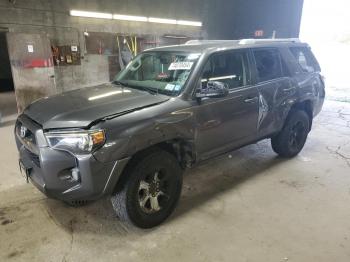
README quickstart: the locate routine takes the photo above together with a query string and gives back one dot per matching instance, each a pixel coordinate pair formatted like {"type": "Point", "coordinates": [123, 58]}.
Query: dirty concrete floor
{"type": "Point", "coordinates": [249, 205]}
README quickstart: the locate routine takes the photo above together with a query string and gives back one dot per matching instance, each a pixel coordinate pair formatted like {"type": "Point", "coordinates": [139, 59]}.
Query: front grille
{"type": "Point", "coordinates": [34, 158]}
{"type": "Point", "coordinates": [26, 137]}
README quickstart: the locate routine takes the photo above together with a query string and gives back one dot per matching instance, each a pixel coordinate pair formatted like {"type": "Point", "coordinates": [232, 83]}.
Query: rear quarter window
{"type": "Point", "coordinates": [305, 59]}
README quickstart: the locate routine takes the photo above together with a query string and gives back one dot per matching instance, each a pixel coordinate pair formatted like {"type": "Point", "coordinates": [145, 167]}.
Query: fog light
{"type": "Point", "coordinates": [75, 174]}
{"type": "Point", "coordinates": [72, 175]}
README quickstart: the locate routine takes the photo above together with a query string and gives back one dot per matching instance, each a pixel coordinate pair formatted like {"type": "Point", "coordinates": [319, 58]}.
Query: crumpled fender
{"type": "Point", "coordinates": [178, 125]}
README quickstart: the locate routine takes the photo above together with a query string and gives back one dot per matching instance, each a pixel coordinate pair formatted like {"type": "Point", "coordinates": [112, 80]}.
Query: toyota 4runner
{"type": "Point", "coordinates": [170, 108]}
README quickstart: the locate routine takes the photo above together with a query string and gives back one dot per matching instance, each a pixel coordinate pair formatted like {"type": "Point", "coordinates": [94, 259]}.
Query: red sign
{"type": "Point", "coordinates": [259, 33]}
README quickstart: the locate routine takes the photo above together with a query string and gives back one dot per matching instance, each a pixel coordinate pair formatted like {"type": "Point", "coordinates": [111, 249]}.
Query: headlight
{"type": "Point", "coordinates": [76, 142]}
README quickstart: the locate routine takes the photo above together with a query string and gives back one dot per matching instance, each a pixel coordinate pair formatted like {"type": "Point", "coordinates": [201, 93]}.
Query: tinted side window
{"type": "Point", "coordinates": [305, 59]}
{"type": "Point", "coordinates": [268, 63]}
{"type": "Point", "coordinates": [228, 67]}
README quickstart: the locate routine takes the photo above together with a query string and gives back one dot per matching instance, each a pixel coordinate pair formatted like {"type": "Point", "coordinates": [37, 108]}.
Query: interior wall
{"type": "Point", "coordinates": [52, 18]}
{"type": "Point", "coordinates": [241, 18]}
{"type": "Point", "coordinates": [222, 19]}
{"type": "Point", "coordinates": [94, 70]}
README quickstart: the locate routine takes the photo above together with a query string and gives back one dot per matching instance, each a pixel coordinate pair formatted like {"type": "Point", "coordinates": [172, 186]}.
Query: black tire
{"type": "Point", "coordinates": [291, 140]}
{"type": "Point", "coordinates": [134, 203]}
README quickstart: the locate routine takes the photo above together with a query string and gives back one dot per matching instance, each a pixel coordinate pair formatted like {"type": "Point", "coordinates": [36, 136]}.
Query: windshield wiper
{"type": "Point", "coordinates": [120, 83]}
{"type": "Point", "coordinates": [150, 90]}
{"type": "Point", "coordinates": [153, 91]}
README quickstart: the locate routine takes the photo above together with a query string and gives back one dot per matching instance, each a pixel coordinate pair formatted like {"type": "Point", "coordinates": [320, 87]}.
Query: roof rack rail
{"type": "Point", "coordinates": [196, 42]}
{"type": "Point", "coordinates": [268, 40]}
{"type": "Point", "coordinates": [245, 41]}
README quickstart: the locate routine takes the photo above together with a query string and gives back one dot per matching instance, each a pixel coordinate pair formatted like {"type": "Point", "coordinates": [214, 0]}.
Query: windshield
{"type": "Point", "coordinates": [162, 72]}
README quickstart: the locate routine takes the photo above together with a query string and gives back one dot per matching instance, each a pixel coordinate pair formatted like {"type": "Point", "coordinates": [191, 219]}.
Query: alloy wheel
{"type": "Point", "coordinates": [153, 192]}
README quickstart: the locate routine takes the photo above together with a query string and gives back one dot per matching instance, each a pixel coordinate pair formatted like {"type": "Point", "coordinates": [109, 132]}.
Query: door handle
{"type": "Point", "coordinates": [251, 100]}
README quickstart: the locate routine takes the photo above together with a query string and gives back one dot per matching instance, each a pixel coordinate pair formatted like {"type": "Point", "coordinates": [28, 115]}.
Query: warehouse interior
{"type": "Point", "coordinates": [244, 205]}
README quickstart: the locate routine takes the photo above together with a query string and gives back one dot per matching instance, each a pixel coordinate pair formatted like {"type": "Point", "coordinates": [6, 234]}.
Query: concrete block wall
{"type": "Point", "coordinates": [51, 17]}
{"type": "Point", "coordinates": [92, 71]}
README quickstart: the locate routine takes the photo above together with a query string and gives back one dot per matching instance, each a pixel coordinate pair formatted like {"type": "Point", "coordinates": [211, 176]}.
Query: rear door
{"type": "Point", "coordinates": [227, 122]}
{"type": "Point", "coordinates": [275, 86]}
{"type": "Point", "coordinates": [32, 67]}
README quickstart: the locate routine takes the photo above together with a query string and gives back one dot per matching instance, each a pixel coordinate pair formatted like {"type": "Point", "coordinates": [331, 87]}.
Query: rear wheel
{"type": "Point", "coordinates": [151, 190]}
{"type": "Point", "coordinates": [291, 140]}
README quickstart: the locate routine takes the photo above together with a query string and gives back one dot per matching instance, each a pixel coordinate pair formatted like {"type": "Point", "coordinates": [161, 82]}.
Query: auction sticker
{"type": "Point", "coordinates": [180, 66]}
{"type": "Point", "coordinates": [169, 87]}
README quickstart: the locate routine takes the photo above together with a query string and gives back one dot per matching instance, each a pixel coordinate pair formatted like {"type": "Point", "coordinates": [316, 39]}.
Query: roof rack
{"type": "Point", "coordinates": [268, 40]}
{"type": "Point", "coordinates": [197, 42]}
{"type": "Point", "coordinates": [245, 41]}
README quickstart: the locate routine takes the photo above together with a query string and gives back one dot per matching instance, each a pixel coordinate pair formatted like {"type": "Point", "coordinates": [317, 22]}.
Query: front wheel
{"type": "Point", "coordinates": [291, 140]}
{"type": "Point", "coordinates": [151, 191]}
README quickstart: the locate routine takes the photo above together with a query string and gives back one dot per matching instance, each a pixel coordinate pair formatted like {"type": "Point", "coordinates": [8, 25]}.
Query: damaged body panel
{"type": "Point", "coordinates": [194, 101]}
{"type": "Point", "coordinates": [147, 127]}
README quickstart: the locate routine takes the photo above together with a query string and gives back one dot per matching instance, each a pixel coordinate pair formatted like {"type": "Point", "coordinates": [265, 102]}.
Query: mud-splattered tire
{"type": "Point", "coordinates": [151, 189]}
{"type": "Point", "coordinates": [291, 140]}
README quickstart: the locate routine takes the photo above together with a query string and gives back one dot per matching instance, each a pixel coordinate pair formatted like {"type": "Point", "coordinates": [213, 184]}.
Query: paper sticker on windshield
{"type": "Point", "coordinates": [180, 66]}
{"type": "Point", "coordinates": [169, 87]}
{"type": "Point", "coordinates": [177, 87]}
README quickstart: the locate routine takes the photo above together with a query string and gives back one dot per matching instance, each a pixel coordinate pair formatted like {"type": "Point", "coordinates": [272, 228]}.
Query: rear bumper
{"type": "Point", "coordinates": [321, 95]}
{"type": "Point", "coordinates": [61, 175]}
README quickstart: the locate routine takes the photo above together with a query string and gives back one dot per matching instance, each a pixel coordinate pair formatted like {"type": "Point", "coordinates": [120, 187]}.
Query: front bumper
{"type": "Point", "coordinates": [51, 170]}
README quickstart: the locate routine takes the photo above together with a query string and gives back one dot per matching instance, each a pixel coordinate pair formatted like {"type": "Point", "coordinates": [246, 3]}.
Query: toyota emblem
{"type": "Point", "coordinates": [23, 131]}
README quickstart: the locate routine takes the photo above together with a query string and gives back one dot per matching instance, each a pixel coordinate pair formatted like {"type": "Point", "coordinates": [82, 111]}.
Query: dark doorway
{"type": "Point", "coordinates": [6, 81]}
{"type": "Point", "coordinates": [8, 106]}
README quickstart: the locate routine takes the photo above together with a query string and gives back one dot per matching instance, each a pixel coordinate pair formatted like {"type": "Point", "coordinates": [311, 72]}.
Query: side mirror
{"type": "Point", "coordinates": [213, 89]}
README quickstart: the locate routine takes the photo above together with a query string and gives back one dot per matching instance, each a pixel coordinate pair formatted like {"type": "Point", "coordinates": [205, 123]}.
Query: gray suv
{"type": "Point", "coordinates": [169, 109]}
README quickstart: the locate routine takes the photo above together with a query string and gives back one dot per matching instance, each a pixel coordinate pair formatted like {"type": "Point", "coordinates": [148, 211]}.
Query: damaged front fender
{"type": "Point", "coordinates": [134, 132]}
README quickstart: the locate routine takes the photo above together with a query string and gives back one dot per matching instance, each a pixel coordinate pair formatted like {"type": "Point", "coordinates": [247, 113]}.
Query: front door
{"type": "Point", "coordinates": [32, 67]}
{"type": "Point", "coordinates": [231, 121]}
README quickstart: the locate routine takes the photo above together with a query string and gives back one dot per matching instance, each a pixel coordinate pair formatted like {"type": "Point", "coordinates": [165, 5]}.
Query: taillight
{"type": "Point", "coordinates": [323, 79]}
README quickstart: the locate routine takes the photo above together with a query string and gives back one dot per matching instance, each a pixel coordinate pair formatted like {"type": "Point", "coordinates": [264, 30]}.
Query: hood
{"type": "Point", "coordinates": [79, 108]}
